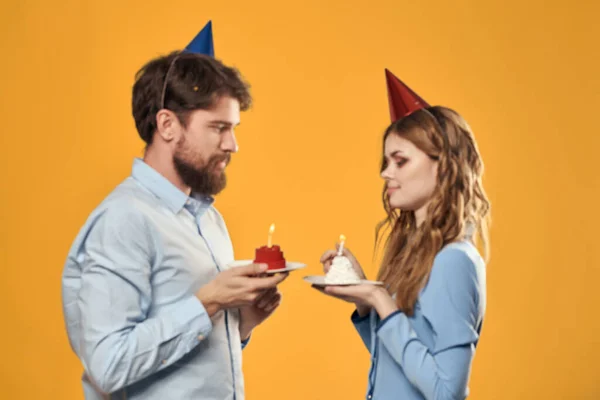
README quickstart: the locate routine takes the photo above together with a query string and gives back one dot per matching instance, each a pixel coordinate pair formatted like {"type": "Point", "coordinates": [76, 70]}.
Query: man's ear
{"type": "Point", "coordinates": [167, 125]}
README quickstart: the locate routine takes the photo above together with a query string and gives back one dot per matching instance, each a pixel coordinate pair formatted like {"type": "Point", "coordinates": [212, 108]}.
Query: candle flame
{"type": "Point", "coordinates": [271, 230]}
{"type": "Point", "coordinates": [342, 238]}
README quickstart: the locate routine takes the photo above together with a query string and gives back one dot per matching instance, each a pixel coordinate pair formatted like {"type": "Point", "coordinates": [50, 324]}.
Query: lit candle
{"type": "Point", "coordinates": [341, 248]}
{"type": "Point", "coordinates": [270, 241]}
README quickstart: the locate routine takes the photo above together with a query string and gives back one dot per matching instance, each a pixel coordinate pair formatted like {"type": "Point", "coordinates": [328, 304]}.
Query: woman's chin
{"type": "Point", "coordinates": [402, 207]}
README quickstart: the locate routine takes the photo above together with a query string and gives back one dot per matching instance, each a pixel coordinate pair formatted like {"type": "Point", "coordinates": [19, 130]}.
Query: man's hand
{"type": "Point", "coordinates": [255, 314]}
{"type": "Point", "coordinates": [237, 287]}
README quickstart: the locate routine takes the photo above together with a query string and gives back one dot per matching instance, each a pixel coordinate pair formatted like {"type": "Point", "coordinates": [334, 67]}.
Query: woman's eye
{"type": "Point", "coordinates": [400, 162]}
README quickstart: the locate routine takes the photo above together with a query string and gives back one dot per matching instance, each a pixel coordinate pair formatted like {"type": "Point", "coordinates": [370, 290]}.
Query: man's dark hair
{"type": "Point", "coordinates": [183, 82]}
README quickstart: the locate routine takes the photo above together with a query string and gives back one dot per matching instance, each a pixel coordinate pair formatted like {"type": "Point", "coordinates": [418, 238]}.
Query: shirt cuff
{"type": "Point", "coordinates": [191, 315]}
{"type": "Point", "coordinates": [386, 319]}
{"type": "Point", "coordinates": [245, 342]}
{"type": "Point", "coordinates": [357, 319]}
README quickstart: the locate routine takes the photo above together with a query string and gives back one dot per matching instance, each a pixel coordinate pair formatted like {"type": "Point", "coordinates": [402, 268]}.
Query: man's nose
{"type": "Point", "coordinates": [229, 142]}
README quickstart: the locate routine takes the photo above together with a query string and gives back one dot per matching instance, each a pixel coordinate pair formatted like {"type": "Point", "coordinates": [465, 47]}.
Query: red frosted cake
{"type": "Point", "coordinates": [273, 256]}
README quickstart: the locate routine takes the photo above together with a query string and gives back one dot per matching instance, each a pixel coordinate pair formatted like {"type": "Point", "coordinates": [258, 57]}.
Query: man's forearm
{"type": "Point", "coordinates": [245, 331]}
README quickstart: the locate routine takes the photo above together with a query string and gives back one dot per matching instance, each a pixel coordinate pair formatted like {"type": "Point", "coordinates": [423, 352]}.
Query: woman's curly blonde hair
{"type": "Point", "coordinates": [458, 208]}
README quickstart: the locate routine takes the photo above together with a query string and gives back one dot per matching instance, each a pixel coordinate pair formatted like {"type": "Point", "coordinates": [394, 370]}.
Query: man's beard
{"type": "Point", "coordinates": [203, 180]}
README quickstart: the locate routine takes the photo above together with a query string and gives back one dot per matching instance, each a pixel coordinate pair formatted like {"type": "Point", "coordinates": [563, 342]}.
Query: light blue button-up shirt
{"type": "Point", "coordinates": [129, 302]}
{"type": "Point", "coordinates": [429, 355]}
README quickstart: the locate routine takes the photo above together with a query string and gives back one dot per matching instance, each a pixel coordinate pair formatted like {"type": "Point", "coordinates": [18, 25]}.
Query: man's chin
{"type": "Point", "coordinates": [220, 186]}
{"type": "Point", "coordinates": [219, 175]}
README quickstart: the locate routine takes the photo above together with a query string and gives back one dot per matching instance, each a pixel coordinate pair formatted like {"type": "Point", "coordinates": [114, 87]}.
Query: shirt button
{"type": "Point", "coordinates": [369, 397]}
{"type": "Point", "coordinates": [164, 362]}
{"type": "Point", "coordinates": [200, 337]}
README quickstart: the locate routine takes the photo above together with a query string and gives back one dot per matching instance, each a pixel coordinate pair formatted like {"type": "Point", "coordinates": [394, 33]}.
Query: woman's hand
{"type": "Point", "coordinates": [365, 296]}
{"type": "Point", "coordinates": [329, 255]}
{"type": "Point", "coordinates": [327, 259]}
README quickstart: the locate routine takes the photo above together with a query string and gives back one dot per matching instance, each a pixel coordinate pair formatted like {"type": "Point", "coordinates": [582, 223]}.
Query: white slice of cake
{"type": "Point", "coordinates": [341, 272]}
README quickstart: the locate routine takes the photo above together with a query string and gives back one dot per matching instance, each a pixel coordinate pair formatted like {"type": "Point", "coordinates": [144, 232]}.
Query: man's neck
{"type": "Point", "coordinates": [162, 162]}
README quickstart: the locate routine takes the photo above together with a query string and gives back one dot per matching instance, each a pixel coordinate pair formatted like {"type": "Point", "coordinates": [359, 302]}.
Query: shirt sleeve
{"type": "Point", "coordinates": [120, 342]}
{"type": "Point", "coordinates": [363, 327]}
{"type": "Point", "coordinates": [245, 342]}
{"type": "Point", "coordinates": [451, 305]}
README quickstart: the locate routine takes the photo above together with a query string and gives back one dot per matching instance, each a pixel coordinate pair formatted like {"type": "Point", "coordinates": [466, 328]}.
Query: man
{"type": "Point", "coordinates": [151, 308]}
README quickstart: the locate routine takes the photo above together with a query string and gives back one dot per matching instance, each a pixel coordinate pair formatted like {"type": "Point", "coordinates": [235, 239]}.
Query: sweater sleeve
{"type": "Point", "coordinates": [452, 304]}
{"type": "Point", "coordinates": [363, 327]}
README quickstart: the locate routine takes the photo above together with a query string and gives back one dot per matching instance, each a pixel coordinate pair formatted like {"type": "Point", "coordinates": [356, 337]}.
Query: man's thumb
{"type": "Point", "coordinates": [252, 269]}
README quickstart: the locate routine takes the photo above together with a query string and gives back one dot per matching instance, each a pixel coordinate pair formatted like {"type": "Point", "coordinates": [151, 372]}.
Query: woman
{"type": "Point", "coordinates": [422, 326]}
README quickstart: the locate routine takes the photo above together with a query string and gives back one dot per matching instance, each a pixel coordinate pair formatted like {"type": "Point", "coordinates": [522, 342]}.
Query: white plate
{"type": "Point", "coordinates": [320, 281]}
{"type": "Point", "coordinates": [289, 266]}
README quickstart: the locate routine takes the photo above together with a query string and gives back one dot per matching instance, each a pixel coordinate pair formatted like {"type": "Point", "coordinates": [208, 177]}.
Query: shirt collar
{"type": "Point", "coordinates": [160, 186]}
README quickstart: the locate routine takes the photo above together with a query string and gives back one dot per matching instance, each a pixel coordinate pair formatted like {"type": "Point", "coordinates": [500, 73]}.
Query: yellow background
{"type": "Point", "coordinates": [523, 73]}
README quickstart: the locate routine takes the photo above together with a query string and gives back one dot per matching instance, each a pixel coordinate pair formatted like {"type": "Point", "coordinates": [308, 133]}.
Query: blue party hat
{"type": "Point", "coordinates": [203, 42]}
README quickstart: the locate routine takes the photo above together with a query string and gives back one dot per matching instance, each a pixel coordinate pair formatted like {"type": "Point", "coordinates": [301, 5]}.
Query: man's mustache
{"type": "Point", "coordinates": [218, 158]}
